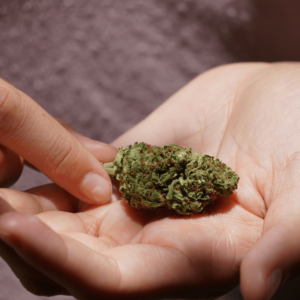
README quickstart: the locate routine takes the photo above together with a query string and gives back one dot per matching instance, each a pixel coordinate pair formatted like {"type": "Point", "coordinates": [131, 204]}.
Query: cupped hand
{"type": "Point", "coordinates": [67, 158]}
{"type": "Point", "coordinates": [245, 114]}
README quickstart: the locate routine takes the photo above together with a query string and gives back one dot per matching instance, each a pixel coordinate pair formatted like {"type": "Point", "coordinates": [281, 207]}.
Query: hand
{"type": "Point", "coordinates": [28, 132]}
{"type": "Point", "coordinates": [245, 114]}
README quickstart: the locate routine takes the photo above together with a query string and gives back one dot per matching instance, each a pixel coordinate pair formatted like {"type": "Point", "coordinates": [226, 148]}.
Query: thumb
{"type": "Point", "coordinates": [29, 131]}
{"type": "Point", "coordinates": [275, 257]}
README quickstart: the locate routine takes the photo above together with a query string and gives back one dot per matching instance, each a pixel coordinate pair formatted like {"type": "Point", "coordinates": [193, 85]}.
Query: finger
{"type": "Point", "coordinates": [32, 279]}
{"type": "Point", "coordinates": [5, 206]}
{"type": "Point", "coordinates": [52, 205]}
{"type": "Point", "coordinates": [63, 222]}
{"type": "Point", "coordinates": [64, 260]}
{"type": "Point", "coordinates": [275, 257]}
{"type": "Point", "coordinates": [112, 224]}
{"type": "Point", "coordinates": [103, 152]}
{"type": "Point", "coordinates": [133, 271]}
{"type": "Point", "coordinates": [33, 134]}
{"type": "Point", "coordinates": [11, 166]}
{"type": "Point", "coordinates": [49, 197]}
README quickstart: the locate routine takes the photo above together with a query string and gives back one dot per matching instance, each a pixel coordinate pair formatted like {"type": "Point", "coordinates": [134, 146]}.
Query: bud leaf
{"type": "Point", "coordinates": [171, 176]}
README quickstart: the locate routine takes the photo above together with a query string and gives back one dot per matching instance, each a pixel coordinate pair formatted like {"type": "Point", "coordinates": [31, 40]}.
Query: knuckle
{"type": "Point", "coordinates": [61, 154]}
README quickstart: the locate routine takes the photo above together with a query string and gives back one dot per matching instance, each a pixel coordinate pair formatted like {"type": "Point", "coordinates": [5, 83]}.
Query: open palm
{"type": "Point", "coordinates": [247, 115]}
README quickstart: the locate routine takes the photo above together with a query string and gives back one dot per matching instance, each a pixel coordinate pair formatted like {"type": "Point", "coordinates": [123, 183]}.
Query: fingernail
{"type": "Point", "coordinates": [96, 188]}
{"type": "Point", "coordinates": [273, 283]}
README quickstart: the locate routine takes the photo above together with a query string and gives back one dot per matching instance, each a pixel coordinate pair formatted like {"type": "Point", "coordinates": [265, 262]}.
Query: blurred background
{"type": "Point", "coordinates": [104, 65]}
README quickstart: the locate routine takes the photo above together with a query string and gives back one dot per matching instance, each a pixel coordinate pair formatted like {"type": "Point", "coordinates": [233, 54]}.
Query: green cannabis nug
{"type": "Point", "coordinates": [171, 176]}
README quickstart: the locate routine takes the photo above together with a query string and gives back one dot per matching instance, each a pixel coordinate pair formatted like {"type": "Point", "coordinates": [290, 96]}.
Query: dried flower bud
{"type": "Point", "coordinates": [171, 176]}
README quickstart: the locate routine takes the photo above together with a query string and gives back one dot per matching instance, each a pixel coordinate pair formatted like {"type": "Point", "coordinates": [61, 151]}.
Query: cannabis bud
{"type": "Point", "coordinates": [171, 176]}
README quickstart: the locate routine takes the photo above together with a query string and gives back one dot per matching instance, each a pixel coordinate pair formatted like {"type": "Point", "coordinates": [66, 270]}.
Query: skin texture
{"type": "Point", "coordinates": [29, 132]}
{"type": "Point", "coordinates": [247, 115]}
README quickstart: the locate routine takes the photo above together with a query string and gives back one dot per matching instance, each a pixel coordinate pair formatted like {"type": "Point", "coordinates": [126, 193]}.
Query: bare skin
{"type": "Point", "coordinates": [245, 114]}
{"type": "Point", "coordinates": [28, 132]}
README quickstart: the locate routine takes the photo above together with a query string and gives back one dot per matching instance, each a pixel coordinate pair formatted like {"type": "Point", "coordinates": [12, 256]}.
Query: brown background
{"type": "Point", "coordinates": [104, 65]}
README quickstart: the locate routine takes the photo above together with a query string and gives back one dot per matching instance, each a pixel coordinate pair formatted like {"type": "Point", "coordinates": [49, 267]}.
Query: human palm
{"type": "Point", "coordinates": [248, 116]}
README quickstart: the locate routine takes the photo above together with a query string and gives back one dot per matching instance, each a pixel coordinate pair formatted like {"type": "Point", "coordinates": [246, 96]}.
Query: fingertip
{"type": "Point", "coordinates": [9, 224]}
{"type": "Point", "coordinates": [252, 280]}
{"type": "Point", "coordinates": [273, 282]}
{"type": "Point", "coordinates": [11, 220]}
{"type": "Point", "coordinates": [27, 234]}
{"type": "Point", "coordinates": [263, 268]}
{"type": "Point", "coordinates": [260, 286]}
{"type": "Point", "coordinates": [96, 189]}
